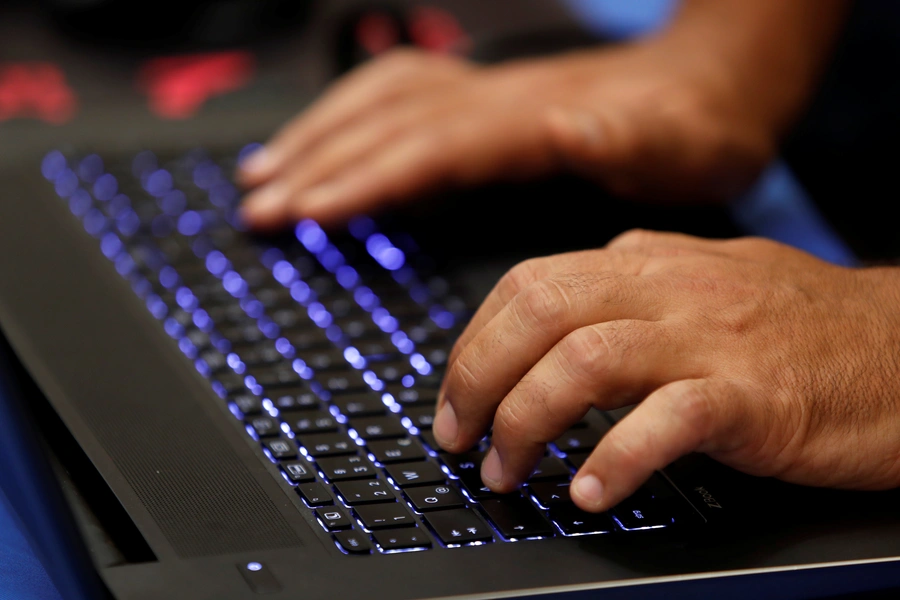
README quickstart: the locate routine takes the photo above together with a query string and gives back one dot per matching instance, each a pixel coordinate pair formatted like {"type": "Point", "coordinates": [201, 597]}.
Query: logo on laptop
{"type": "Point", "coordinates": [708, 498]}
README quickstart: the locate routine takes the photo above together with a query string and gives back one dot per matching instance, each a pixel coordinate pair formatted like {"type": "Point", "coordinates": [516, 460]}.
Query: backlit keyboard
{"type": "Point", "coordinates": [330, 351]}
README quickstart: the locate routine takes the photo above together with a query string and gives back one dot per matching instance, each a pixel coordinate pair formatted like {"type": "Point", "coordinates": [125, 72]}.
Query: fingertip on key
{"type": "Point", "coordinates": [589, 490]}
{"type": "Point", "coordinates": [446, 426]}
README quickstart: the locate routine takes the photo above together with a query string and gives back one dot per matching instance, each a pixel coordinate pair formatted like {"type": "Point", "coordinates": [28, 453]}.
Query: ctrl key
{"type": "Point", "coordinates": [353, 542]}
{"type": "Point", "coordinates": [393, 540]}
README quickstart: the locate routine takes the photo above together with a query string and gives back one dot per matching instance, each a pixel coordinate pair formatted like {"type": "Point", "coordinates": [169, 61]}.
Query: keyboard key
{"type": "Point", "coordinates": [261, 355]}
{"type": "Point", "coordinates": [398, 450]}
{"type": "Point", "coordinates": [242, 334]}
{"type": "Point", "coordinates": [422, 417]}
{"type": "Point", "coordinates": [402, 539]}
{"type": "Point", "coordinates": [474, 486]}
{"type": "Point", "coordinates": [248, 404]}
{"type": "Point", "coordinates": [574, 521]}
{"type": "Point", "coordinates": [275, 376]}
{"type": "Point", "coordinates": [313, 421]}
{"type": "Point", "coordinates": [429, 439]}
{"type": "Point", "coordinates": [331, 359]}
{"type": "Point", "coordinates": [383, 516]}
{"type": "Point", "coordinates": [434, 497]}
{"type": "Point", "coordinates": [578, 440]}
{"type": "Point", "coordinates": [342, 382]}
{"type": "Point", "coordinates": [327, 444]}
{"type": "Point", "coordinates": [314, 494]}
{"type": "Point", "coordinates": [361, 405]}
{"type": "Point", "coordinates": [412, 396]}
{"type": "Point", "coordinates": [265, 426]}
{"type": "Point", "coordinates": [415, 473]}
{"type": "Point", "coordinates": [231, 382]}
{"type": "Point", "coordinates": [639, 512]}
{"type": "Point", "coordinates": [460, 526]}
{"type": "Point", "coordinates": [515, 517]}
{"type": "Point", "coordinates": [298, 471]}
{"type": "Point", "coordinates": [464, 462]}
{"type": "Point", "coordinates": [377, 350]}
{"type": "Point", "coordinates": [376, 428]}
{"type": "Point", "coordinates": [215, 360]}
{"type": "Point", "coordinates": [550, 468]}
{"type": "Point", "coordinates": [392, 371]}
{"type": "Point", "coordinates": [353, 542]}
{"type": "Point", "coordinates": [341, 468]}
{"type": "Point", "coordinates": [548, 493]}
{"type": "Point", "coordinates": [288, 400]}
{"type": "Point", "coordinates": [365, 492]}
{"type": "Point", "coordinates": [333, 518]}
{"type": "Point", "coordinates": [280, 448]}
{"type": "Point", "coordinates": [577, 460]}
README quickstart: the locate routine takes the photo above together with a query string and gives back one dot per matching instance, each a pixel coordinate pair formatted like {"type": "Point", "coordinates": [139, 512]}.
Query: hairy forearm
{"type": "Point", "coordinates": [775, 49]}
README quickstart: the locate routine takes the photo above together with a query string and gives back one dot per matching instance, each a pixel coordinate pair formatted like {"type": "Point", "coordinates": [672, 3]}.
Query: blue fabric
{"type": "Point", "coordinates": [21, 575]}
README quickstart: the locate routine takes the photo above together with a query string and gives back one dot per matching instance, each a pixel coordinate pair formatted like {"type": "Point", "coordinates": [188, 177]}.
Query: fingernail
{"type": "Point", "coordinates": [445, 426]}
{"type": "Point", "coordinates": [589, 489]}
{"type": "Point", "coordinates": [257, 162]}
{"type": "Point", "coordinates": [491, 469]}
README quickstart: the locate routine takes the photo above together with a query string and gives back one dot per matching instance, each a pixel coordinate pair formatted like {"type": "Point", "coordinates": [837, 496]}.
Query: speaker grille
{"type": "Point", "coordinates": [188, 477]}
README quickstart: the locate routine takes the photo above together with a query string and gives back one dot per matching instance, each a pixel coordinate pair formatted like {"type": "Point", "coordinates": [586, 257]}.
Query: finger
{"type": "Point", "coordinates": [268, 206]}
{"type": "Point", "coordinates": [607, 365]}
{"type": "Point", "coordinates": [462, 151]}
{"type": "Point", "coordinates": [696, 415]}
{"type": "Point", "coordinates": [526, 329]}
{"type": "Point", "coordinates": [533, 270]}
{"type": "Point", "coordinates": [371, 85]}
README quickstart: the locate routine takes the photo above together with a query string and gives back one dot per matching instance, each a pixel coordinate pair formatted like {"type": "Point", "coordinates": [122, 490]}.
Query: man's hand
{"type": "Point", "coordinates": [758, 355]}
{"type": "Point", "coordinates": [653, 120]}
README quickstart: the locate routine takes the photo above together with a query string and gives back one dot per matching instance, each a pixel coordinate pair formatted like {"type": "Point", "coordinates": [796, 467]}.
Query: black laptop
{"type": "Point", "coordinates": [191, 411]}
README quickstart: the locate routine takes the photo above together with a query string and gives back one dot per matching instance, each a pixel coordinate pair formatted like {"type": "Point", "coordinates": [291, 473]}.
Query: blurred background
{"type": "Point", "coordinates": [109, 75]}
{"type": "Point", "coordinates": [130, 74]}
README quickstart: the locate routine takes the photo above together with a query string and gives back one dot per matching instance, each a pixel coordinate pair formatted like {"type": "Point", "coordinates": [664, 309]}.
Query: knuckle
{"type": "Point", "coordinates": [462, 378]}
{"type": "Point", "coordinates": [633, 238]}
{"type": "Point", "coordinates": [541, 303]}
{"type": "Point", "coordinates": [518, 278]}
{"type": "Point", "coordinates": [586, 353]}
{"type": "Point", "coordinates": [694, 406]}
{"type": "Point", "coordinates": [511, 420]}
{"type": "Point", "coordinates": [401, 59]}
{"type": "Point", "coordinates": [623, 453]}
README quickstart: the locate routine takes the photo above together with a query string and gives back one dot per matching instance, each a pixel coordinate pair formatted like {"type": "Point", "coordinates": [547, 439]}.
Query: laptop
{"type": "Point", "coordinates": [189, 411]}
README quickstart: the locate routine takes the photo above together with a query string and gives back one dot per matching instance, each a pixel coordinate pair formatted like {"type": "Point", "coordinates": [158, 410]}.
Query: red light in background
{"type": "Point", "coordinates": [178, 86]}
{"type": "Point", "coordinates": [377, 33]}
{"type": "Point", "coordinates": [37, 90]}
{"type": "Point", "coordinates": [437, 30]}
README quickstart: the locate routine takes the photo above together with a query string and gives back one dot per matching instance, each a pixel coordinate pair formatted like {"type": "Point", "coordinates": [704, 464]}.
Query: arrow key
{"type": "Point", "coordinates": [460, 526]}
{"type": "Point", "coordinates": [516, 517]}
{"type": "Point", "coordinates": [548, 493]}
{"type": "Point", "coordinates": [574, 521]}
